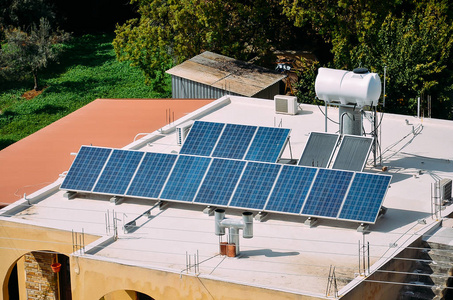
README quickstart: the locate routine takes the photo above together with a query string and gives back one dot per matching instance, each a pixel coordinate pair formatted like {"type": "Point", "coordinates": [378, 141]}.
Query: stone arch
{"type": "Point", "coordinates": [32, 275]}
{"type": "Point", "coordinates": [126, 295]}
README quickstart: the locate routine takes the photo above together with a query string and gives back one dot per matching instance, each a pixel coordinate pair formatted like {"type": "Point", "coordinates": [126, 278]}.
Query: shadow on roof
{"type": "Point", "coordinates": [396, 218]}
{"type": "Point", "coordinates": [265, 252]}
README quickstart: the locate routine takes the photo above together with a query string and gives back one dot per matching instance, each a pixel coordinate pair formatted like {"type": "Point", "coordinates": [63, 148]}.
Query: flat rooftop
{"type": "Point", "coordinates": [284, 254]}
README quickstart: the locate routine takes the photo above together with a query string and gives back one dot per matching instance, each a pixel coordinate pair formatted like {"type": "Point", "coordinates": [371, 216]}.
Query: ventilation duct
{"type": "Point", "coordinates": [234, 225]}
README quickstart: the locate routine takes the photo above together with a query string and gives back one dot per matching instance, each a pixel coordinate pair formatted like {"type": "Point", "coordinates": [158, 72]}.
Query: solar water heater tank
{"type": "Point", "coordinates": [358, 87]}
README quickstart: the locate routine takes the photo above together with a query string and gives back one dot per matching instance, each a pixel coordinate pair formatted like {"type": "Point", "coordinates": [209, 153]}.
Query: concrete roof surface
{"type": "Point", "coordinates": [284, 254]}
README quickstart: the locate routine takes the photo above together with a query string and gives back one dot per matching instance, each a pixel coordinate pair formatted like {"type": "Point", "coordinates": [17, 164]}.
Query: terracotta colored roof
{"type": "Point", "coordinates": [38, 159]}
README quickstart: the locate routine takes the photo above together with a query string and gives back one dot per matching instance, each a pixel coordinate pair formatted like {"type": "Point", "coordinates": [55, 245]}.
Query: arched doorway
{"type": "Point", "coordinates": [126, 295]}
{"type": "Point", "coordinates": [36, 275]}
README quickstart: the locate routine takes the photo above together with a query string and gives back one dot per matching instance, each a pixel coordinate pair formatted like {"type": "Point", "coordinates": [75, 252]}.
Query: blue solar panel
{"type": "Point", "coordinates": [185, 178]}
{"type": "Point", "coordinates": [365, 197]}
{"type": "Point", "coordinates": [317, 192]}
{"type": "Point", "coordinates": [234, 141]}
{"type": "Point", "coordinates": [85, 169]}
{"type": "Point", "coordinates": [220, 181]}
{"type": "Point", "coordinates": [202, 138]}
{"type": "Point", "coordinates": [151, 175]}
{"type": "Point", "coordinates": [267, 144]}
{"type": "Point", "coordinates": [255, 185]}
{"type": "Point", "coordinates": [327, 193]}
{"type": "Point", "coordinates": [118, 172]}
{"type": "Point", "coordinates": [291, 189]}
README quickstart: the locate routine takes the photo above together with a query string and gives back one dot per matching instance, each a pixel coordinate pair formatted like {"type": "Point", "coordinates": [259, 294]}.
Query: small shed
{"type": "Point", "coordinates": [211, 75]}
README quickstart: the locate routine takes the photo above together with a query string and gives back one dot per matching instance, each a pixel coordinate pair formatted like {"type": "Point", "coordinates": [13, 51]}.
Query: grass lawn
{"type": "Point", "coordinates": [87, 70]}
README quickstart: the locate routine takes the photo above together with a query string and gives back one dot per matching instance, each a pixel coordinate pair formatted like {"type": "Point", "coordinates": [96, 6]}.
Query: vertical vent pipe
{"type": "Point", "coordinates": [234, 225]}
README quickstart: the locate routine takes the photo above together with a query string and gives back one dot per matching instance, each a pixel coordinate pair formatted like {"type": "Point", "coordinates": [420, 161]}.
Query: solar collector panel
{"type": "Point", "coordinates": [255, 185]}
{"type": "Point", "coordinates": [185, 178]}
{"type": "Point", "coordinates": [267, 144]}
{"type": "Point", "coordinates": [220, 181]}
{"type": "Point", "coordinates": [365, 197]}
{"type": "Point", "coordinates": [151, 175]}
{"type": "Point", "coordinates": [319, 149]}
{"type": "Point", "coordinates": [352, 153]}
{"type": "Point", "coordinates": [327, 193]}
{"type": "Point", "coordinates": [234, 141]}
{"type": "Point", "coordinates": [85, 169]}
{"type": "Point", "coordinates": [202, 138]}
{"type": "Point", "coordinates": [118, 172]}
{"type": "Point", "coordinates": [291, 189]}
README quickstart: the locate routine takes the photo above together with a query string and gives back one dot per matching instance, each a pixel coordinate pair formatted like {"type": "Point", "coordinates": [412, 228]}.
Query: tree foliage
{"type": "Point", "coordinates": [29, 52]}
{"type": "Point", "coordinates": [416, 48]}
{"type": "Point", "coordinates": [170, 31]}
{"type": "Point", "coordinates": [23, 14]}
{"type": "Point", "coordinates": [412, 39]}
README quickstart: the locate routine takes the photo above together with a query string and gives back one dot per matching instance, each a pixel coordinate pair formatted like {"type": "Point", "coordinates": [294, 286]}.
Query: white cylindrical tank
{"type": "Point", "coordinates": [347, 87]}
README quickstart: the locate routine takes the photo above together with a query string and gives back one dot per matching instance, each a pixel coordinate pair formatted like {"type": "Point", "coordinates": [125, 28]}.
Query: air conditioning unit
{"type": "Point", "coordinates": [182, 131]}
{"type": "Point", "coordinates": [445, 189]}
{"type": "Point", "coordinates": [285, 104]}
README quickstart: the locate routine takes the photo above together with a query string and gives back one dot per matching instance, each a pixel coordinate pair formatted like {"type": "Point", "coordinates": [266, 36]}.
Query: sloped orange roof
{"type": "Point", "coordinates": [38, 159]}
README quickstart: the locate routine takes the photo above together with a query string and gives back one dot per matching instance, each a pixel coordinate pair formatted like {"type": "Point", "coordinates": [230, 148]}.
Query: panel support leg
{"type": "Point", "coordinates": [311, 221]}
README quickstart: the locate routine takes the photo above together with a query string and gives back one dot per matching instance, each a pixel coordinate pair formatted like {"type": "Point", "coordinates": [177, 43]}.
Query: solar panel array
{"type": "Point", "coordinates": [235, 141]}
{"type": "Point", "coordinates": [259, 186]}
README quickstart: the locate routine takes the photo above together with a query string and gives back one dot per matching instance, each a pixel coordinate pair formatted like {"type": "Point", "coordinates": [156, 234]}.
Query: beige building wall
{"type": "Point", "coordinates": [99, 278]}
{"type": "Point", "coordinates": [18, 239]}
{"type": "Point", "coordinates": [94, 277]}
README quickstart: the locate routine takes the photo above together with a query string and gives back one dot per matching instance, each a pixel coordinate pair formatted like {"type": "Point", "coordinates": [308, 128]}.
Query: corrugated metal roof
{"type": "Point", "coordinates": [226, 73]}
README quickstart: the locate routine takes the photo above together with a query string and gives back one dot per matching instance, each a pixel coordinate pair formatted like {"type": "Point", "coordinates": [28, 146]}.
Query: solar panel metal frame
{"type": "Point", "coordinates": [272, 185]}
{"type": "Point", "coordinates": [321, 200]}
{"type": "Point", "coordinates": [118, 176]}
{"type": "Point", "coordinates": [353, 153]}
{"type": "Point", "coordinates": [227, 185]}
{"type": "Point", "coordinates": [243, 183]}
{"type": "Point", "coordinates": [159, 173]}
{"type": "Point", "coordinates": [206, 135]}
{"type": "Point", "coordinates": [173, 178]}
{"type": "Point", "coordinates": [280, 146]}
{"type": "Point", "coordinates": [228, 144]}
{"type": "Point", "coordinates": [384, 182]}
{"type": "Point", "coordinates": [283, 182]}
{"type": "Point", "coordinates": [320, 147]}
{"type": "Point", "coordinates": [74, 165]}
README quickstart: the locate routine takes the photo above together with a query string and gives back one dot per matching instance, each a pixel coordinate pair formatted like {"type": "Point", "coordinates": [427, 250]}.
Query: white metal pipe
{"type": "Point", "coordinates": [234, 225]}
{"type": "Point", "coordinates": [418, 107]}
{"type": "Point", "coordinates": [219, 216]}
{"type": "Point", "coordinates": [247, 218]}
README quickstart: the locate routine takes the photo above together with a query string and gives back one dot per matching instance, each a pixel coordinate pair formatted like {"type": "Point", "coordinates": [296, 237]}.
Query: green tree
{"type": "Point", "coordinates": [29, 52]}
{"type": "Point", "coordinates": [169, 31]}
{"type": "Point", "coordinates": [413, 39]}
{"type": "Point", "coordinates": [416, 48]}
{"type": "Point", "coordinates": [23, 14]}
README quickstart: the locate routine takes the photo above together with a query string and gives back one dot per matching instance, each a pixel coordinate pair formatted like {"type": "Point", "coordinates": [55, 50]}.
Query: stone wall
{"type": "Point", "coordinates": [40, 281]}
